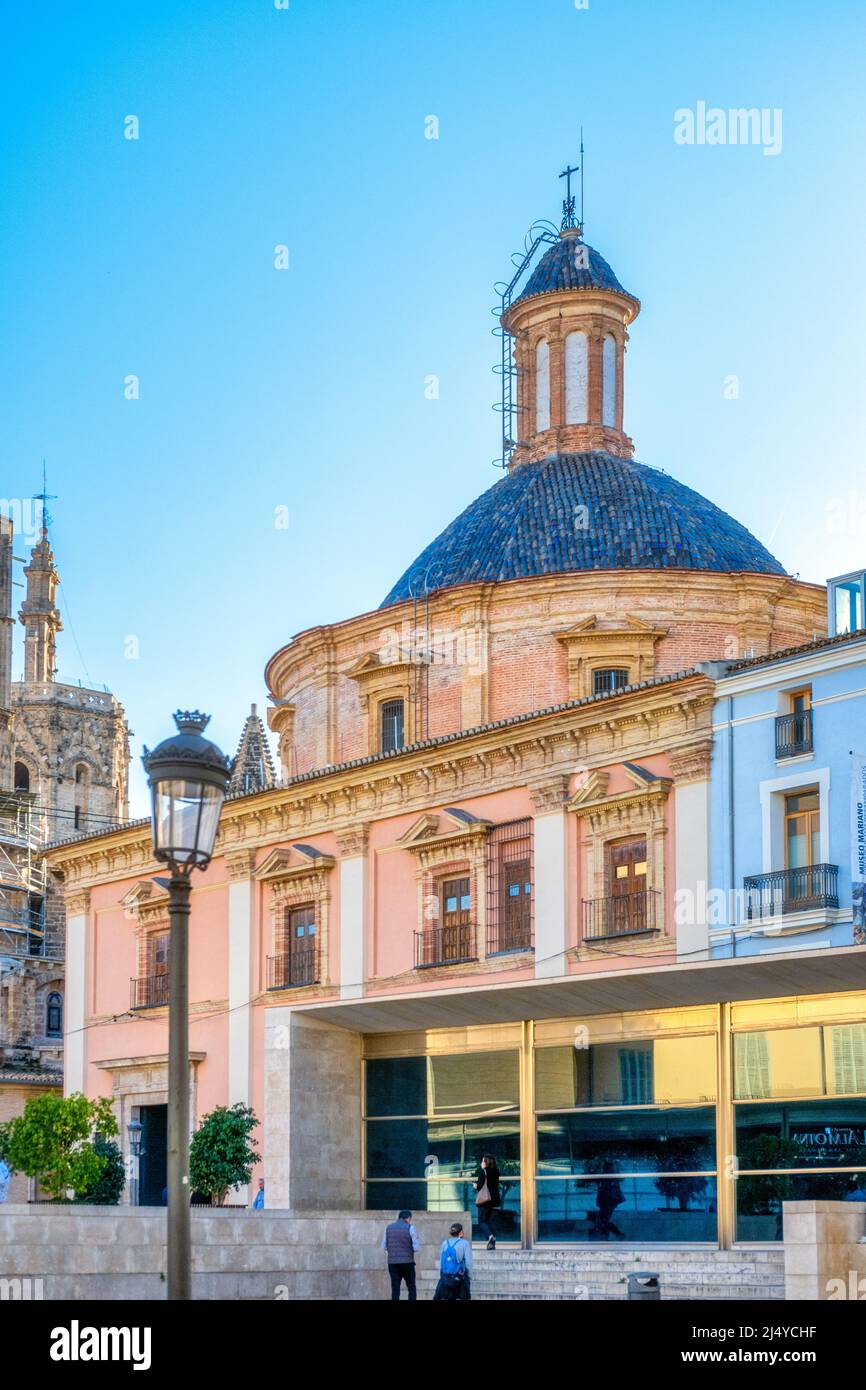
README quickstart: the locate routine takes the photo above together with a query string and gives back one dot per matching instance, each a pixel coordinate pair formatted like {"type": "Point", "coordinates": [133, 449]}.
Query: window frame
{"type": "Point", "coordinates": [612, 687]}
{"type": "Point", "coordinates": [382, 706]}
{"type": "Point", "coordinates": [54, 1001]}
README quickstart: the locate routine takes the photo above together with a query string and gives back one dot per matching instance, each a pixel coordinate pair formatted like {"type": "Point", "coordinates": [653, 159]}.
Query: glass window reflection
{"type": "Point", "coordinates": [434, 1149]}
{"type": "Point", "coordinates": [760, 1198]}
{"type": "Point", "coordinates": [447, 1198]}
{"type": "Point", "coordinates": [677, 1210]}
{"type": "Point", "coordinates": [464, 1083]}
{"type": "Point", "coordinates": [648, 1141]}
{"type": "Point", "coordinates": [660, 1071]}
{"type": "Point", "coordinates": [825, 1060]}
{"type": "Point", "coordinates": [816, 1134]}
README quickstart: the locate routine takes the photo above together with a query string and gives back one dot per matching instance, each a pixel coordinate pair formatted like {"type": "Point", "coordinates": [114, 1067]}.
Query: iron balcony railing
{"type": "Point", "coordinates": [148, 991]}
{"type": "Point", "coordinates": [453, 945]}
{"type": "Point", "coordinates": [509, 936]}
{"type": "Point", "coordinates": [794, 734]}
{"type": "Point", "coordinates": [791, 890]}
{"type": "Point", "coordinates": [630, 914]}
{"type": "Point", "coordinates": [293, 969]}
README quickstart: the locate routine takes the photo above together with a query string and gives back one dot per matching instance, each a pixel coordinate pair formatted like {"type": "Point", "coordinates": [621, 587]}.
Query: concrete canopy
{"type": "Point", "coordinates": [807, 972]}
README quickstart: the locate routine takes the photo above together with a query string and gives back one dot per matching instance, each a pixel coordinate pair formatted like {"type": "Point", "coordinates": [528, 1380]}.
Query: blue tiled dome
{"type": "Point", "coordinates": [591, 511]}
{"type": "Point", "coordinates": [562, 268]}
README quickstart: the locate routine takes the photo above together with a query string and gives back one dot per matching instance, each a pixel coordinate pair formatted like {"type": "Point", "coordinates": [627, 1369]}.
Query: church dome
{"type": "Point", "coordinates": [570, 265]}
{"type": "Point", "coordinates": [579, 512]}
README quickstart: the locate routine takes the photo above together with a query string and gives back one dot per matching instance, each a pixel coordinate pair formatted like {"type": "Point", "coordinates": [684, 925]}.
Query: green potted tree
{"type": "Point", "coordinates": [107, 1190]}
{"type": "Point", "coordinates": [222, 1154]}
{"type": "Point", "coordinates": [54, 1140]}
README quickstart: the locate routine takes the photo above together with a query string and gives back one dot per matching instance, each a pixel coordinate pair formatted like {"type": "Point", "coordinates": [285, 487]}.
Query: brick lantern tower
{"type": "Point", "coordinates": [569, 327]}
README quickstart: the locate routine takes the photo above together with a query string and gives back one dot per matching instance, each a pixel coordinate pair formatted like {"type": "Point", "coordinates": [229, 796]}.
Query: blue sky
{"type": "Point", "coordinates": [305, 388]}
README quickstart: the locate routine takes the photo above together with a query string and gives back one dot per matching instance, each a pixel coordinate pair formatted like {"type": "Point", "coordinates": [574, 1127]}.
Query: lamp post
{"type": "Point", "coordinates": [187, 775]}
{"type": "Point", "coordinates": [133, 1129]}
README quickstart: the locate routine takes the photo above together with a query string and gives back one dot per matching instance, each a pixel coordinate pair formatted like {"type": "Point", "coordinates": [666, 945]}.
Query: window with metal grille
{"type": "Point", "coordinates": [297, 959]}
{"type": "Point", "coordinates": [608, 679]}
{"type": "Point", "coordinates": [390, 725]}
{"type": "Point", "coordinates": [509, 887]}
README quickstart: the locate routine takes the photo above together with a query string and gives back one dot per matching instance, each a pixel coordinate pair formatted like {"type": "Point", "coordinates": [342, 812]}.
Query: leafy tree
{"type": "Point", "coordinates": [222, 1154]}
{"type": "Point", "coordinates": [106, 1190]}
{"type": "Point", "coordinates": [680, 1155]}
{"type": "Point", "coordinates": [759, 1195]}
{"type": "Point", "coordinates": [53, 1141]}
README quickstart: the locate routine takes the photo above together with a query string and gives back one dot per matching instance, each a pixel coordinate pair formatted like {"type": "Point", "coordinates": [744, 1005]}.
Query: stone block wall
{"type": "Point", "coordinates": [312, 1119]}
{"type": "Point", "coordinates": [824, 1259]}
{"type": "Point", "coordinates": [118, 1253]}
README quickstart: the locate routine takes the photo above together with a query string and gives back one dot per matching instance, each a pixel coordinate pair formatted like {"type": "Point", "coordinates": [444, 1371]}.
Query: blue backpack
{"type": "Point", "coordinates": [449, 1263]}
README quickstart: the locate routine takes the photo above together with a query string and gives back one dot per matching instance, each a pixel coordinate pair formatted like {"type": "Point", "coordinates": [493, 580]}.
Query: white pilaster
{"type": "Point", "coordinates": [551, 878]}
{"type": "Point", "coordinates": [692, 860]}
{"type": "Point", "coordinates": [241, 889]}
{"type": "Point", "coordinates": [74, 1050]}
{"type": "Point", "coordinates": [353, 912]}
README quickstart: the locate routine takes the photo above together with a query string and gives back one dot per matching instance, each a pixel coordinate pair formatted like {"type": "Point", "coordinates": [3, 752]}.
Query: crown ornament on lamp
{"type": "Point", "coordinates": [188, 776]}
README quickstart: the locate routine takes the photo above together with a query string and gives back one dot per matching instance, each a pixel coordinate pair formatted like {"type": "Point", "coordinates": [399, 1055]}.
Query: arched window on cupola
{"type": "Point", "coordinates": [576, 379]}
{"type": "Point", "coordinates": [22, 777]}
{"type": "Point", "coordinates": [542, 385]}
{"type": "Point", "coordinates": [608, 378]}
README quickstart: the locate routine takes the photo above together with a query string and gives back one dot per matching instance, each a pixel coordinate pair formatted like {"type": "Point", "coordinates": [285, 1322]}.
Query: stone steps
{"type": "Point", "coordinates": [515, 1275]}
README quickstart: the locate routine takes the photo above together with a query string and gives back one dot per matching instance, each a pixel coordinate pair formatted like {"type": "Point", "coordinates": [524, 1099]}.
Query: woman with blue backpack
{"type": "Point", "coordinates": [455, 1268]}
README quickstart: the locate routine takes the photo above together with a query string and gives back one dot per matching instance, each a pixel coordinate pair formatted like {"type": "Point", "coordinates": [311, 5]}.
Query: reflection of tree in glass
{"type": "Point", "coordinates": [682, 1156]}
{"type": "Point", "coordinates": [758, 1195]}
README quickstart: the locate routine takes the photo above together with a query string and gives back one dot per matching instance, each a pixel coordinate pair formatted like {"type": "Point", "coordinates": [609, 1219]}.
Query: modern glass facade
{"type": "Point", "coordinates": [676, 1127]}
{"type": "Point", "coordinates": [429, 1121]}
{"type": "Point", "coordinates": [626, 1140]}
{"type": "Point", "coordinates": [799, 1121]}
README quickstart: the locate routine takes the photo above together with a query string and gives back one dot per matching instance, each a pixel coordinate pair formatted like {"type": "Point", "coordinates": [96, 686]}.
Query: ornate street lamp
{"type": "Point", "coordinates": [188, 776]}
{"type": "Point", "coordinates": [133, 1129]}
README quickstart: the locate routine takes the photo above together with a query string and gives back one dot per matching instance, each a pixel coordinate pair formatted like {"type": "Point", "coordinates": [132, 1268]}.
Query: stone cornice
{"type": "Point", "coordinates": [370, 670]}
{"type": "Point", "coordinates": [692, 764]}
{"type": "Point", "coordinates": [77, 902]}
{"type": "Point", "coordinates": [524, 751]}
{"type": "Point", "coordinates": [652, 793]}
{"type": "Point", "coordinates": [352, 843]}
{"type": "Point", "coordinates": [548, 793]}
{"type": "Point", "coordinates": [156, 1059]}
{"type": "Point", "coordinates": [424, 835]}
{"type": "Point", "coordinates": [731, 591]}
{"type": "Point", "coordinates": [240, 865]}
{"type": "Point", "coordinates": [281, 866]}
{"type": "Point", "coordinates": [630, 631]}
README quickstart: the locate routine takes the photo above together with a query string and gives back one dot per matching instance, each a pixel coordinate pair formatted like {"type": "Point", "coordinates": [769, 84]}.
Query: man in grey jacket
{"type": "Point", "coordinates": [400, 1241]}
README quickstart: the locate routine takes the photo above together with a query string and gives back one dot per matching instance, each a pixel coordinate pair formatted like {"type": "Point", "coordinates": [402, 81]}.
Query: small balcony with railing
{"type": "Point", "coordinates": [794, 734]}
{"type": "Point", "coordinates": [622, 915]}
{"type": "Point", "coordinates": [294, 969]}
{"type": "Point", "coordinates": [446, 945]}
{"type": "Point", "coordinates": [813, 887]}
{"type": "Point", "coordinates": [148, 991]}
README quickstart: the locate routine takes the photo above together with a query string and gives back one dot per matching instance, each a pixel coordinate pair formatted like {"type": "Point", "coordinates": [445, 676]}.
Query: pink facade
{"type": "Point", "coordinates": [406, 855]}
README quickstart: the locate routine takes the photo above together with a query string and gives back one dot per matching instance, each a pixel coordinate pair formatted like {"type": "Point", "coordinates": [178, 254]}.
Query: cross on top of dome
{"type": "Point", "coordinates": [568, 202]}
{"type": "Point", "coordinates": [569, 222]}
